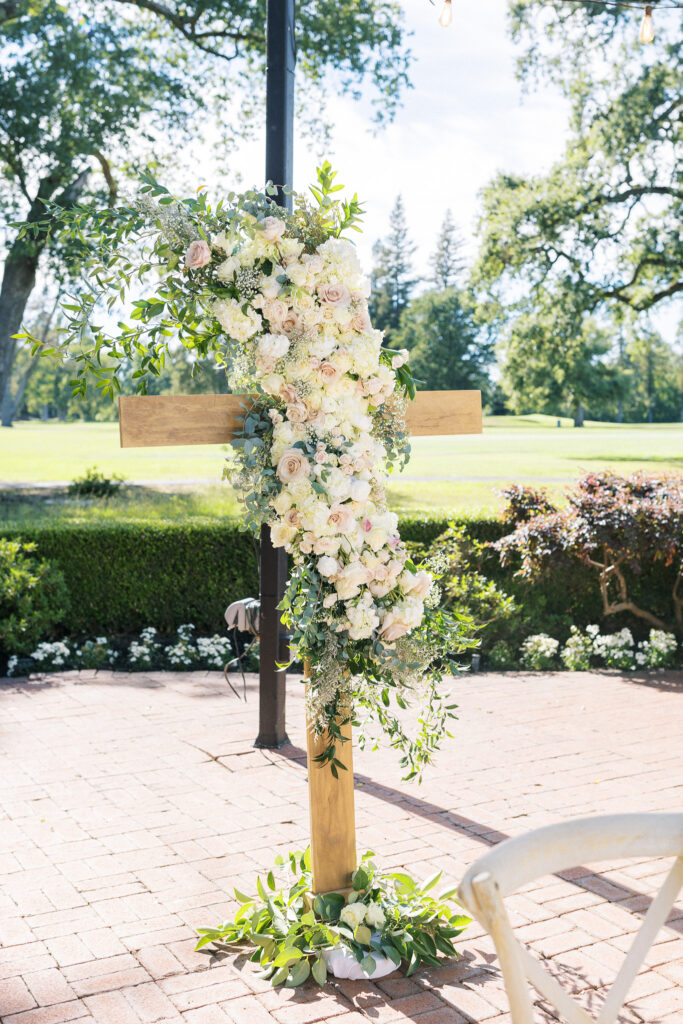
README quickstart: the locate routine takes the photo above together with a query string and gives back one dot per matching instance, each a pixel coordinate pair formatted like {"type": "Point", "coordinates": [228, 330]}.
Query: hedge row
{"type": "Point", "coordinates": [124, 576]}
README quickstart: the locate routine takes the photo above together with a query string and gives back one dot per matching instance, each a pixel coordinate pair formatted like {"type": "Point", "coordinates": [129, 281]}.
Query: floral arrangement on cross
{"type": "Point", "coordinates": [278, 298]}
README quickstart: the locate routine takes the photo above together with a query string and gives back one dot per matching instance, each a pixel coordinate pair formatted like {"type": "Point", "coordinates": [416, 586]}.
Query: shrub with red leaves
{"type": "Point", "coordinates": [611, 524]}
{"type": "Point", "coordinates": [523, 503]}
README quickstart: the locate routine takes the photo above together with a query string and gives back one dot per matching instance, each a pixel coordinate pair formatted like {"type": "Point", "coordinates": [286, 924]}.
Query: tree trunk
{"type": "Point", "coordinates": [28, 372]}
{"type": "Point", "coordinates": [19, 279]}
{"type": "Point", "coordinates": [578, 415]}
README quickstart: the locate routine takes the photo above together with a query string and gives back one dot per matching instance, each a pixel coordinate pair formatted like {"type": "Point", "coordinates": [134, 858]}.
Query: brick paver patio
{"type": "Point", "coordinates": [131, 805]}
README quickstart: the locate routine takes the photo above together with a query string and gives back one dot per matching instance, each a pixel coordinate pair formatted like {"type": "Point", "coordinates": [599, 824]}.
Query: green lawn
{"type": "Point", "coordinates": [444, 472]}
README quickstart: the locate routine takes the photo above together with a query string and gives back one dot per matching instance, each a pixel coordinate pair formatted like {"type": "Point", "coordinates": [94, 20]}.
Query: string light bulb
{"type": "Point", "coordinates": [446, 16]}
{"type": "Point", "coordinates": [647, 29]}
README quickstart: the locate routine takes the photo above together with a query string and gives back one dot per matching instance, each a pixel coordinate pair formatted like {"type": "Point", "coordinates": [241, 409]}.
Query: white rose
{"type": "Point", "coordinates": [375, 917]}
{"type": "Point", "coordinates": [328, 566]}
{"type": "Point", "coordinates": [272, 229]}
{"type": "Point", "coordinates": [360, 490]}
{"type": "Point", "coordinates": [297, 274]}
{"type": "Point", "coordinates": [227, 269]}
{"type": "Point", "coordinates": [330, 600]}
{"type": "Point", "coordinates": [352, 915]}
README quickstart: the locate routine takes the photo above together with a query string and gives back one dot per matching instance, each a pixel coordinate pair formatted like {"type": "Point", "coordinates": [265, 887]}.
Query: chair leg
{"type": "Point", "coordinates": [494, 917]}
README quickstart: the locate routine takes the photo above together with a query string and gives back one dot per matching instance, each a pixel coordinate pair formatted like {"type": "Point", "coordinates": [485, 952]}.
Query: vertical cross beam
{"type": "Point", "coordinates": [280, 63]}
{"type": "Point", "coordinates": [332, 813]}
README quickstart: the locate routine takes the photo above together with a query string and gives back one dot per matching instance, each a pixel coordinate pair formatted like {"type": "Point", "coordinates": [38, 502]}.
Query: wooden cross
{"type": "Point", "coordinates": [165, 420]}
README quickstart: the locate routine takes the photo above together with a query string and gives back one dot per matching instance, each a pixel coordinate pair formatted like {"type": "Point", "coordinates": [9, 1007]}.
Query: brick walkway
{"type": "Point", "coordinates": [130, 806]}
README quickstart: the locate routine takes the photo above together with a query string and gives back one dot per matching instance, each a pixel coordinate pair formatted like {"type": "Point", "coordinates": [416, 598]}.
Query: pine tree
{"type": "Point", "coordinates": [392, 277]}
{"type": "Point", "coordinates": [446, 260]}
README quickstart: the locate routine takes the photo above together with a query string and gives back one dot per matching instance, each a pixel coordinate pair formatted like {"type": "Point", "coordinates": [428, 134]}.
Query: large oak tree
{"type": "Point", "coordinates": [599, 235]}
{"type": "Point", "coordinates": [92, 88]}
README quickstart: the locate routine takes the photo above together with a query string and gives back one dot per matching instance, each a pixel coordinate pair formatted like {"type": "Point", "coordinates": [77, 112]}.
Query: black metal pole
{"type": "Point", "coordinates": [280, 63]}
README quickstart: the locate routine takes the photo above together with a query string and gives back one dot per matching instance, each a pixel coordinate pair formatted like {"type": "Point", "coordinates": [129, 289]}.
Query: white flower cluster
{"type": "Point", "coordinates": [96, 653]}
{"type": "Point", "coordinates": [188, 651]}
{"type": "Point", "coordinates": [538, 651]}
{"type": "Point", "coordinates": [214, 651]}
{"type": "Point", "coordinates": [51, 655]}
{"type": "Point", "coordinates": [659, 651]}
{"type": "Point", "coordinates": [318, 360]}
{"type": "Point", "coordinates": [615, 649]}
{"type": "Point", "coordinates": [144, 653]}
{"type": "Point", "coordinates": [355, 914]}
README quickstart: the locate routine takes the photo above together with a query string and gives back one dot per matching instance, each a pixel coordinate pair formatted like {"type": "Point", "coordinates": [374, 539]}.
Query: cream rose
{"type": "Point", "coordinates": [281, 534]}
{"type": "Point", "coordinates": [361, 321]}
{"type": "Point", "coordinates": [352, 915]}
{"type": "Point", "coordinates": [198, 254]}
{"type": "Point", "coordinates": [350, 579]}
{"type": "Point", "coordinates": [416, 584]}
{"type": "Point", "coordinates": [272, 229]}
{"type": "Point", "coordinates": [329, 372]}
{"type": "Point", "coordinates": [375, 917]}
{"type": "Point", "coordinates": [293, 465]}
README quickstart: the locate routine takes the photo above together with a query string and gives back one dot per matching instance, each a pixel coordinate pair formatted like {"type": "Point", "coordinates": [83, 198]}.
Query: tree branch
{"type": "Point", "coordinates": [187, 26]}
{"type": "Point", "coordinates": [109, 178]}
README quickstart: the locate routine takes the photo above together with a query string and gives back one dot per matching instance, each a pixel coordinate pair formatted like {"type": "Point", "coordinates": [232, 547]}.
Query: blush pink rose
{"type": "Point", "coordinates": [328, 372]}
{"type": "Point", "coordinates": [293, 465]}
{"type": "Point", "coordinates": [198, 254]}
{"type": "Point", "coordinates": [341, 518]}
{"type": "Point", "coordinates": [334, 294]}
{"type": "Point", "coordinates": [361, 321]}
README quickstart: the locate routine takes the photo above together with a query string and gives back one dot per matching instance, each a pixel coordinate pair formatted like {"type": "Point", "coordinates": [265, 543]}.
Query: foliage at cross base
{"type": "Point", "coordinates": [387, 913]}
{"type": "Point", "coordinates": [33, 597]}
{"type": "Point", "coordinates": [611, 524]}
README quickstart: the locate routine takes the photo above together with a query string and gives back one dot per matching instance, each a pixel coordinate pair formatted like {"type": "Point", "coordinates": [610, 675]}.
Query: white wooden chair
{"type": "Point", "coordinates": [518, 861]}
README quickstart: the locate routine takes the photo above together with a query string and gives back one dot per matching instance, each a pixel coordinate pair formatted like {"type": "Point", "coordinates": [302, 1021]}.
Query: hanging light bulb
{"type": "Point", "coordinates": [647, 29]}
{"type": "Point", "coordinates": [446, 16]}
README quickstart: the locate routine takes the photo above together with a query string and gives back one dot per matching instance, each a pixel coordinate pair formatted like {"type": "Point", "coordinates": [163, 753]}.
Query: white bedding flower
{"type": "Point", "coordinates": [353, 914]}
{"type": "Point", "coordinates": [375, 917]}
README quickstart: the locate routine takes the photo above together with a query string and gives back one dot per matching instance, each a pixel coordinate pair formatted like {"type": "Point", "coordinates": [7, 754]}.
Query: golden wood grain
{"type": "Point", "coordinates": [332, 815]}
{"type": "Point", "coordinates": [170, 420]}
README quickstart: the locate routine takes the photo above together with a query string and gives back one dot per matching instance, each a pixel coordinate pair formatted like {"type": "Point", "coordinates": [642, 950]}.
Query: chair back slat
{"type": "Point", "coordinates": [553, 991]}
{"type": "Point", "coordinates": [647, 933]}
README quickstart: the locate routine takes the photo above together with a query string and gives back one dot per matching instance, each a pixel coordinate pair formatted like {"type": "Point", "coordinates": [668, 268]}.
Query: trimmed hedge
{"type": "Point", "coordinates": [124, 576]}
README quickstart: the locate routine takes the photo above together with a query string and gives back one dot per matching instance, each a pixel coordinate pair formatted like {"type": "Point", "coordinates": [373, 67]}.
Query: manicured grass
{"type": "Point", "coordinates": [461, 473]}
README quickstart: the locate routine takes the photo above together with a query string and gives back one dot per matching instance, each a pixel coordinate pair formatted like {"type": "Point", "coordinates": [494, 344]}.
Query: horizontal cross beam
{"type": "Point", "coordinates": [168, 420]}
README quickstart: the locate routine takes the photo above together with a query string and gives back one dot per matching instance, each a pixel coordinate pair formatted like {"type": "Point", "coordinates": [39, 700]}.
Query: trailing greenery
{"type": "Point", "coordinates": [387, 914]}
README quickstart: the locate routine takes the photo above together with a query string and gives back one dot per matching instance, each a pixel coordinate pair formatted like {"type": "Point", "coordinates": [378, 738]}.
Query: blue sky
{"type": "Point", "coordinates": [464, 120]}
